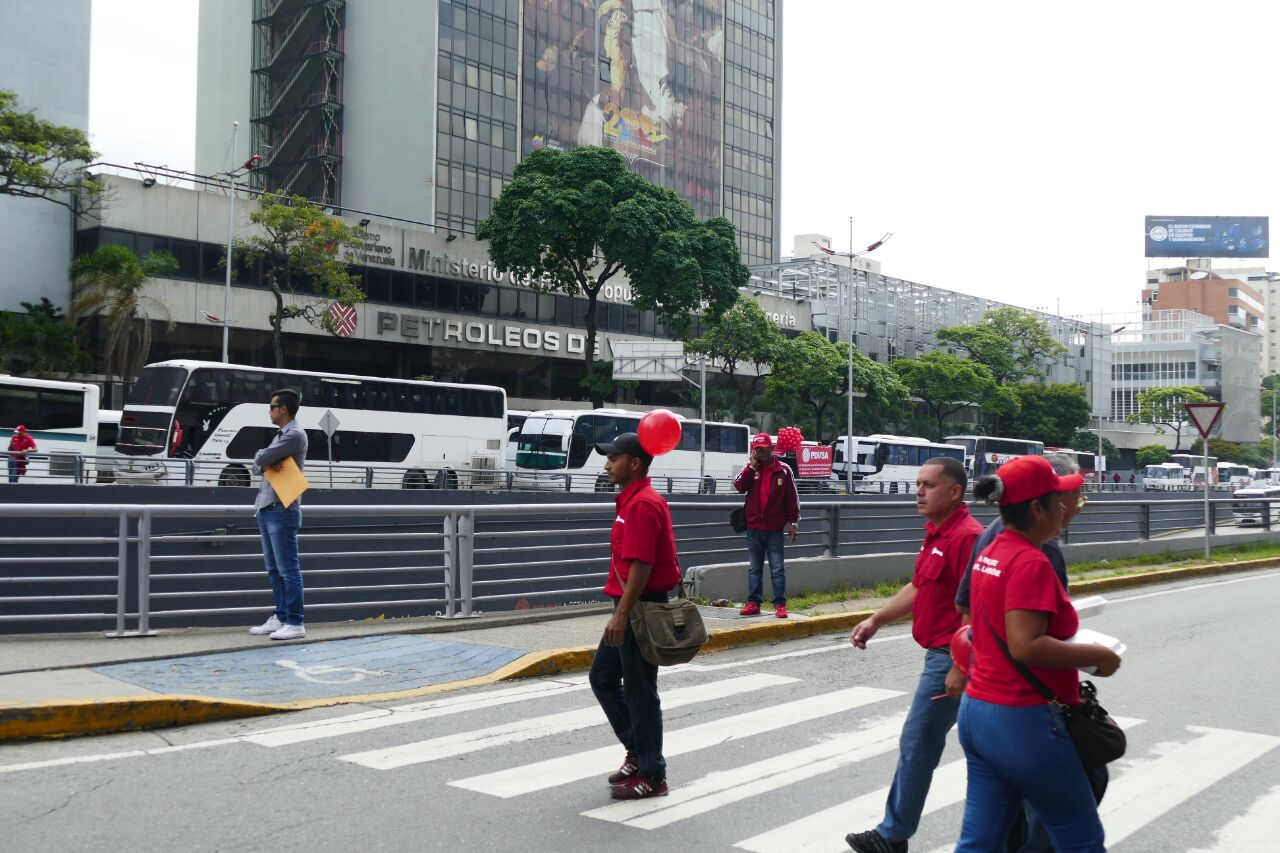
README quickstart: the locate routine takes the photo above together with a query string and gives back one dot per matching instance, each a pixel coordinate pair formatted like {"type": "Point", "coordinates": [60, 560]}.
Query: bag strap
{"type": "Point", "coordinates": [1022, 668]}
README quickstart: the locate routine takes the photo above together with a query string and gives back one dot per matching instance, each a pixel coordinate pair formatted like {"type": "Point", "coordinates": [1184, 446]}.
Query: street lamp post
{"type": "Point", "coordinates": [231, 230]}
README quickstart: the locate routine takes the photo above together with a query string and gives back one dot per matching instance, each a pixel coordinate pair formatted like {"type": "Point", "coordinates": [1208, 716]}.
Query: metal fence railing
{"type": "Point", "coordinates": [128, 567]}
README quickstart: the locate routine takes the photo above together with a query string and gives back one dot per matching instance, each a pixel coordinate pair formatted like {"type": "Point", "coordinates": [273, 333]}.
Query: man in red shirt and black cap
{"type": "Point", "coordinates": [772, 505]}
{"type": "Point", "coordinates": [19, 446]}
{"type": "Point", "coordinates": [642, 567]}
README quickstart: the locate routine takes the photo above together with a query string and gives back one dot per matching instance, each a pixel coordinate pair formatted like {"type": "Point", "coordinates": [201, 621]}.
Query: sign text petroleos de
{"type": "Point", "coordinates": [418, 328]}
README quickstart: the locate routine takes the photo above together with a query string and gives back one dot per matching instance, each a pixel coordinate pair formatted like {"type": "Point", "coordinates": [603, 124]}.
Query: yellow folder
{"type": "Point", "coordinates": [287, 481]}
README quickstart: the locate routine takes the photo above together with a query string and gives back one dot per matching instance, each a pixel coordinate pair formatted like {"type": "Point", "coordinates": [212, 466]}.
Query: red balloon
{"type": "Point", "coordinates": [659, 432]}
{"type": "Point", "coordinates": [962, 648]}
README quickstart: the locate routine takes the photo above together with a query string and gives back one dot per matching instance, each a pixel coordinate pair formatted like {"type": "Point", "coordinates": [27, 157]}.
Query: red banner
{"type": "Point", "coordinates": [814, 461]}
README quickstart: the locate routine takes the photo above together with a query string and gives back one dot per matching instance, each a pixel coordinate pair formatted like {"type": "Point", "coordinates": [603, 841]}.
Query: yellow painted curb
{"type": "Point", "coordinates": [1128, 581]}
{"type": "Point", "coordinates": [121, 714]}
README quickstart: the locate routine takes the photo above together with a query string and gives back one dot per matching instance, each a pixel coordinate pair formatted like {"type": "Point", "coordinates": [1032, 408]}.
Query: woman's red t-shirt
{"type": "Point", "coordinates": [1013, 574]}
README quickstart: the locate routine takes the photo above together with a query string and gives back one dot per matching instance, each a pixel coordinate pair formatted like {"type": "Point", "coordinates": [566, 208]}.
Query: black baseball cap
{"type": "Point", "coordinates": [628, 443]}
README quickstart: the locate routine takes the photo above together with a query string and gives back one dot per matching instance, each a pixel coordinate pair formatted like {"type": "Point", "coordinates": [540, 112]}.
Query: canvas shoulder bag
{"type": "Point", "coordinates": [667, 632]}
{"type": "Point", "coordinates": [1099, 739]}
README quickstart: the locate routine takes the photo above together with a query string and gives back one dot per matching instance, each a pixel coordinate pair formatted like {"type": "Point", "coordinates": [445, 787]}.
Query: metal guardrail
{"type": "Point", "coordinates": [446, 560]}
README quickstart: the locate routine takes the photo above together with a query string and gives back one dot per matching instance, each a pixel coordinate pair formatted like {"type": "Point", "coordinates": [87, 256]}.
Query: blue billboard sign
{"type": "Point", "coordinates": [1207, 237]}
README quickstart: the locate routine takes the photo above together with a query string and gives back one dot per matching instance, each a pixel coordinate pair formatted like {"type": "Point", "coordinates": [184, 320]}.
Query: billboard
{"type": "Point", "coordinates": [644, 77]}
{"type": "Point", "coordinates": [1207, 237]}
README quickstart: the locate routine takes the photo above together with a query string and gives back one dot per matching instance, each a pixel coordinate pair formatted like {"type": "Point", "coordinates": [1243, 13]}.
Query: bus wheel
{"type": "Point", "coordinates": [708, 486]}
{"type": "Point", "coordinates": [603, 484]}
{"type": "Point", "coordinates": [415, 480]}
{"type": "Point", "coordinates": [234, 475]}
{"type": "Point", "coordinates": [446, 479]}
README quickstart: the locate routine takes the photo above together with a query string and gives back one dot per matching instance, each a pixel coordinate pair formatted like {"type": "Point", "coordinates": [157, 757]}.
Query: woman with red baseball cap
{"type": "Point", "coordinates": [1015, 742]}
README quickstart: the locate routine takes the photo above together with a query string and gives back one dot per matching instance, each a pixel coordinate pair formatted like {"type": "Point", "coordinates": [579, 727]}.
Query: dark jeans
{"type": "Point", "coordinates": [13, 471]}
{"type": "Point", "coordinates": [1029, 835]}
{"type": "Point", "coordinates": [762, 543]}
{"type": "Point", "coordinates": [279, 529]}
{"type": "Point", "coordinates": [626, 686]}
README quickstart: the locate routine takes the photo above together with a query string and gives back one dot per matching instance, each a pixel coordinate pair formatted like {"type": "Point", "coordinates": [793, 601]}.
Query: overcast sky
{"type": "Point", "coordinates": [1011, 147]}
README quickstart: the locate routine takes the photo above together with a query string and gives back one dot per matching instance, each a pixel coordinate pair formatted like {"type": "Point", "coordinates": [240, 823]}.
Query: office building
{"type": "Point", "coordinates": [420, 109]}
{"type": "Point", "coordinates": [44, 58]}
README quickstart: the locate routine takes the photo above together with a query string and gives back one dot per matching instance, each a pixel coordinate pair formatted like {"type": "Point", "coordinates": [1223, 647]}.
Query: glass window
{"type": "Point", "coordinates": [18, 405]}
{"type": "Point", "coordinates": [468, 298]}
{"type": "Point", "coordinates": [156, 386]}
{"type": "Point", "coordinates": [187, 253]}
{"type": "Point", "coordinates": [446, 294]}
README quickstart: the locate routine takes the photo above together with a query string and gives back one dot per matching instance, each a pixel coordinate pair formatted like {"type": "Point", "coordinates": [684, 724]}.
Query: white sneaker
{"type": "Point", "coordinates": [269, 627]}
{"type": "Point", "coordinates": [289, 632]}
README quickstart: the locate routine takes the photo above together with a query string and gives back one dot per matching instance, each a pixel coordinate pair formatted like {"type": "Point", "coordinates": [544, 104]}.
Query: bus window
{"type": "Point", "coordinates": [582, 442]}
{"type": "Point", "coordinates": [18, 405]}
{"type": "Point", "coordinates": [157, 386]}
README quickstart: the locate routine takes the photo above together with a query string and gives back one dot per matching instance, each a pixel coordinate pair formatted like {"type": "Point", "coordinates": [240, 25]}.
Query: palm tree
{"type": "Point", "coordinates": [109, 282]}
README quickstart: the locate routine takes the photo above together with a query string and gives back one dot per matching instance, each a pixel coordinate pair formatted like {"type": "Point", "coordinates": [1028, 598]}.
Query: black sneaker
{"type": "Point", "coordinates": [625, 772]}
{"type": "Point", "coordinates": [872, 841]}
{"type": "Point", "coordinates": [639, 788]}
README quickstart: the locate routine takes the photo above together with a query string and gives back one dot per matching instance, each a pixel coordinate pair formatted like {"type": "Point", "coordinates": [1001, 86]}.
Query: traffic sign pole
{"type": "Point", "coordinates": [329, 423]}
{"type": "Point", "coordinates": [1205, 416]}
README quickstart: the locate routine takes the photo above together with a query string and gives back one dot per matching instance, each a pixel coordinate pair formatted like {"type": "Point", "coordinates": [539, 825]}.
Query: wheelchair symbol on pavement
{"type": "Point", "coordinates": [340, 674]}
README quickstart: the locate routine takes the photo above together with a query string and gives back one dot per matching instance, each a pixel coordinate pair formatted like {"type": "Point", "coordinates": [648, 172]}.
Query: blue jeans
{"type": "Point", "coordinates": [13, 471]}
{"type": "Point", "coordinates": [626, 686]}
{"type": "Point", "coordinates": [1024, 753]}
{"type": "Point", "coordinates": [924, 735]}
{"type": "Point", "coordinates": [279, 529]}
{"type": "Point", "coordinates": [1029, 835]}
{"type": "Point", "coordinates": [760, 543]}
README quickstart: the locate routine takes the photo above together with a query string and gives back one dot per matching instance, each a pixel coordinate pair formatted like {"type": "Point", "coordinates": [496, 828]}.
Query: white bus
{"type": "Point", "coordinates": [62, 418]}
{"type": "Point", "coordinates": [985, 453]}
{"type": "Point", "coordinates": [1234, 475]}
{"type": "Point", "coordinates": [408, 434]}
{"type": "Point", "coordinates": [886, 463]}
{"type": "Point", "coordinates": [1166, 477]}
{"type": "Point", "coordinates": [1086, 461]}
{"type": "Point", "coordinates": [515, 417]}
{"type": "Point", "coordinates": [555, 443]}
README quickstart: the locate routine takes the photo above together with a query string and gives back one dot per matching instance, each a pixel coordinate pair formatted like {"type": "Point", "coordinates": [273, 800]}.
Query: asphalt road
{"type": "Point", "coordinates": [778, 748]}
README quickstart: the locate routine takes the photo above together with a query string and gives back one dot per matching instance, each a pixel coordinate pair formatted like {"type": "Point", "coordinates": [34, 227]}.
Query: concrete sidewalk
{"type": "Point", "coordinates": [76, 684]}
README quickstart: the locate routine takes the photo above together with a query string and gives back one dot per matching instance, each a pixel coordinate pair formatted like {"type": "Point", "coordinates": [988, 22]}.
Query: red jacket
{"type": "Point", "coordinates": [18, 447]}
{"type": "Point", "coordinates": [783, 506]}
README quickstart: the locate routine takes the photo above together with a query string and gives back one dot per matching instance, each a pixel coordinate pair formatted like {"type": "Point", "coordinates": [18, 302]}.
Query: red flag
{"type": "Point", "coordinates": [823, 248]}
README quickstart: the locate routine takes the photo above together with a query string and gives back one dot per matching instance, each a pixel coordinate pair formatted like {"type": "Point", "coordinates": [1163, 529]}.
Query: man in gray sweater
{"type": "Point", "coordinates": [279, 524]}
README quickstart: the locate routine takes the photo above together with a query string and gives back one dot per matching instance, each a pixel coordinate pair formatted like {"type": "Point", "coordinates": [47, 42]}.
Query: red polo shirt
{"type": "Point", "coordinates": [1013, 574]}
{"type": "Point", "coordinates": [642, 531]}
{"type": "Point", "coordinates": [939, 567]}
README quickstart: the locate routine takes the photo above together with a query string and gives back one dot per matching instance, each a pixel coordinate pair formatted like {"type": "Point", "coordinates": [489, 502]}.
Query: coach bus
{"type": "Point", "coordinates": [409, 434]}
{"type": "Point", "coordinates": [555, 443]}
{"type": "Point", "coordinates": [1233, 475]}
{"type": "Point", "coordinates": [1194, 463]}
{"type": "Point", "coordinates": [1086, 461]}
{"type": "Point", "coordinates": [62, 418]}
{"type": "Point", "coordinates": [887, 463]}
{"type": "Point", "coordinates": [985, 453]}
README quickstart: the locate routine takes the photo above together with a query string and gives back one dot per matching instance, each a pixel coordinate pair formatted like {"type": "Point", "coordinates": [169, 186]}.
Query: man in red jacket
{"type": "Point", "coordinates": [19, 446]}
{"type": "Point", "coordinates": [772, 505]}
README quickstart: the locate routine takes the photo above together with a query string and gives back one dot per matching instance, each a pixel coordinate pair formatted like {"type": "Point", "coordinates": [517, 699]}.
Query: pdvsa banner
{"type": "Point", "coordinates": [1207, 237]}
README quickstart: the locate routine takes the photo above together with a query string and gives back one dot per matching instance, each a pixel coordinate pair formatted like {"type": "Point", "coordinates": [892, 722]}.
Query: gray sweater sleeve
{"type": "Point", "coordinates": [288, 442]}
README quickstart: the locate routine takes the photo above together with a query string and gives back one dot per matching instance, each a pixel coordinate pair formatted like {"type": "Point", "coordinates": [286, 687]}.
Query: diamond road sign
{"type": "Point", "coordinates": [1205, 416]}
{"type": "Point", "coordinates": [329, 423]}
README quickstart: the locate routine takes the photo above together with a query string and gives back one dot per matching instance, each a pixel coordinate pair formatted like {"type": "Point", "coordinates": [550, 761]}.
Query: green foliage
{"type": "Point", "coordinates": [1051, 413]}
{"type": "Point", "coordinates": [1163, 407]}
{"type": "Point", "coordinates": [945, 383]}
{"type": "Point", "coordinates": [1266, 401]}
{"type": "Point", "coordinates": [1223, 450]}
{"type": "Point", "coordinates": [743, 333]}
{"type": "Point", "coordinates": [1152, 454]}
{"type": "Point", "coordinates": [299, 249]}
{"type": "Point", "coordinates": [39, 159]}
{"type": "Point", "coordinates": [111, 282]}
{"type": "Point", "coordinates": [599, 381]}
{"type": "Point", "coordinates": [812, 371]}
{"type": "Point", "coordinates": [40, 342]}
{"type": "Point", "coordinates": [570, 221]}
{"type": "Point", "coordinates": [1088, 441]}
{"type": "Point", "coordinates": [1261, 454]}
{"type": "Point", "coordinates": [1011, 343]}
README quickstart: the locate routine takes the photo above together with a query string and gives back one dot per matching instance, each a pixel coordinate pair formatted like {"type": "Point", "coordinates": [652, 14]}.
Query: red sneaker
{"type": "Point", "coordinates": [639, 788]}
{"type": "Point", "coordinates": [625, 772]}
{"type": "Point", "coordinates": [751, 608]}
{"type": "Point", "coordinates": [780, 610]}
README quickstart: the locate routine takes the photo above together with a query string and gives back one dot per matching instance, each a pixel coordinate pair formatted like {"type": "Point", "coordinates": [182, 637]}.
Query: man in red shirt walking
{"type": "Point", "coordinates": [930, 599]}
{"type": "Point", "coordinates": [19, 446]}
{"type": "Point", "coordinates": [642, 567]}
{"type": "Point", "coordinates": [772, 504]}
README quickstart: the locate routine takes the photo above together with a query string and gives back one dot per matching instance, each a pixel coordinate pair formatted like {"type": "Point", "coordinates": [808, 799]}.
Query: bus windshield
{"type": "Point", "coordinates": [158, 386]}
{"type": "Point", "coordinates": [541, 443]}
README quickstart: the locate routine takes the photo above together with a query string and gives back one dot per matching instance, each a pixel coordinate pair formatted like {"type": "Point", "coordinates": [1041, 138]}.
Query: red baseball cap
{"type": "Point", "coordinates": [762, 439]}
{"type": "Point", "coordinates": [1029, 477]}
{"type": "Point", "coordinates": [20, 428]}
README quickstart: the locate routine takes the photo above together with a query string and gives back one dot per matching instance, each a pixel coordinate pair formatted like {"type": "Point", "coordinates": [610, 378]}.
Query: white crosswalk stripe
{"type": "Point", "coordinates": [1255, 830]}
{"type": "Point", "coordinates": [553, 772]}
{"type": "Point", "coordinates": [531, 728]}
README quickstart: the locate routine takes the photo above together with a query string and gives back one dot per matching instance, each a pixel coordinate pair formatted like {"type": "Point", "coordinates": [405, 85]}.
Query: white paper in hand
{"type": "Point", "coordinates": [1090, 606]}
{"type": "Point", "coordinates": [1085, 635]}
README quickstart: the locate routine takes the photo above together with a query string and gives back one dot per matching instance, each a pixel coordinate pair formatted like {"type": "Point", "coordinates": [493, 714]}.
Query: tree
{"type": "Point", "coordinates": [1051, 413]}
{"type": "Point", "coordinates": [1012, 343]}
{"type": "Point", "coordinates": [1265, 402]}
{"type": "Point", "coordinates": [599, 381]}
{"type": "Point", "coordinates": [39, 159]}
{"type": "Point", "coordinates": [1223, 450]}
{"type": "Point", "coordinates": [742, 333]}
{"type": "Point", "coordinates": [812, 371]}
{"type": "Point", "coordinates": [945, 383]}
{"type": "Point", "coordinates": [1152, 454]}
{"type": "Point", "coordinates": [571, 220]}
{"type": "Point", "coordinates": [40, 341]}
{"type": "Point", "coordinates": [1162, 407]}
{"type": "Point", "coordinates": [298, 250]}
{"type": "Point", "coordinates": [110, 282]}
{"type": "Point", "coordinates": [1088, 442]}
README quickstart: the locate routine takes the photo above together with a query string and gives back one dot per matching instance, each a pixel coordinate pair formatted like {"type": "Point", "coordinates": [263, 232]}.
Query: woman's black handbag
{"type": "Point", "coordinates": [1098, 738]}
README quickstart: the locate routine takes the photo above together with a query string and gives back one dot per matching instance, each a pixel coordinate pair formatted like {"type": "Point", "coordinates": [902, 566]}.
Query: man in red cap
{"type": "Point", "coordinates": [772, 504]}
{"type": "Point", "coordinates": [19, 446]}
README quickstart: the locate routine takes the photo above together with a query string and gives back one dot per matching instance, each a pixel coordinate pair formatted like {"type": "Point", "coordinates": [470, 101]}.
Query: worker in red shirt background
{"type": "Point", "coordinates": [19, 446]}
{"type": "Point", "coordinates": [642, 567]}
{"type": "Point", "coordinates": [930, 600]}
{"type": "Point", "coordinates": [772, 504]}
